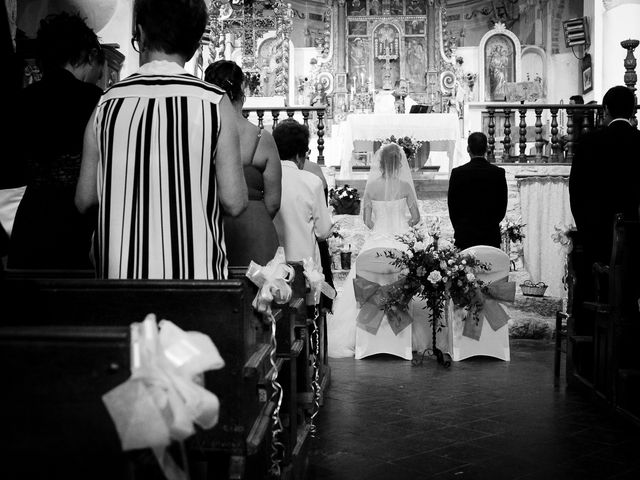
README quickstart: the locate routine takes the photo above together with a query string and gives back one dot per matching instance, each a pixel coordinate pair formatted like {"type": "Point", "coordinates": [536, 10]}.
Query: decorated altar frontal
{"type": "Point", "coordinates": [442, 130]}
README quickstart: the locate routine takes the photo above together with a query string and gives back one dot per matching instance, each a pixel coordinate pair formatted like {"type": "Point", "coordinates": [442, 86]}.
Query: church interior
{"type": "Point", "coordinates": [531, 76]}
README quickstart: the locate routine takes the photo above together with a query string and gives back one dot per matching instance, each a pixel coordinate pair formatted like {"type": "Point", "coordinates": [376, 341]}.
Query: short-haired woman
{"type": "Point", "coordinates": [162, 157]}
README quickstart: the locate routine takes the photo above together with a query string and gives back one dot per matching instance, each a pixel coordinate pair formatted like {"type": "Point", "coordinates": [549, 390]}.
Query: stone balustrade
{"type": "Point", "coordinates": [290, 112]}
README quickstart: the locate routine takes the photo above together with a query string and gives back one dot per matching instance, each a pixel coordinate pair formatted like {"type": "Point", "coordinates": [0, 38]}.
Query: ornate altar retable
{"type": "Point", "coordinates": [442, 130]}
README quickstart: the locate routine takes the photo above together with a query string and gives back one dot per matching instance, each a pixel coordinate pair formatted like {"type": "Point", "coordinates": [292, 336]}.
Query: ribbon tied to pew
{"type": "Point", "coordinates": [489, 298]}
{"type": "Point", "coordinates": [316, 281]}
{"type": "Point", "coordinates": [272, 280]}
{"type": "Point", "coordinates": [162, 400]}
{"type": "Point", "coordinates": [372, 298]}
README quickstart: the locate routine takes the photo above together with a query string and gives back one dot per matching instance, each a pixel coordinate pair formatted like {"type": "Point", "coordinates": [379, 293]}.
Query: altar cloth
{"type": "Point", "coordinates": [441, 129]}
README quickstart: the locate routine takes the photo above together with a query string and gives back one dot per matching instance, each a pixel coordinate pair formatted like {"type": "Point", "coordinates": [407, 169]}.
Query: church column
{"type": "Point", "coordinates": [341, 50]}
{"type": "Point", "coordinates": [620, 22]}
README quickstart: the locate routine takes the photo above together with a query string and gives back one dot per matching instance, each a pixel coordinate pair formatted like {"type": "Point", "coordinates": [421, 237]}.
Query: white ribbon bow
{"type": "Point", "coordinates": [316, 282]}
{"type": "Point", "coordinates": [161, 400]}
{"type": "Point", "coordinates": [273, 280]}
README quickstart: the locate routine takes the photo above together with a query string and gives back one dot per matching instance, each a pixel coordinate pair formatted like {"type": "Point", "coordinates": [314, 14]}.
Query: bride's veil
{"type": "Point", "coordinates": [389, 177]}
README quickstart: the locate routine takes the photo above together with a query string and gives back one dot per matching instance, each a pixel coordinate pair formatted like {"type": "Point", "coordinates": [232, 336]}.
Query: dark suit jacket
{"type": "Point", "coordinates": [605, 180]}
{"type": "Point", "coordinates": [477, 203]}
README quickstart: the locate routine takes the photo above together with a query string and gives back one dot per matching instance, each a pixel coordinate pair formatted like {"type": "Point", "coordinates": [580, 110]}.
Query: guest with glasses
{"type": "Point", "coordinates": [162, 157]}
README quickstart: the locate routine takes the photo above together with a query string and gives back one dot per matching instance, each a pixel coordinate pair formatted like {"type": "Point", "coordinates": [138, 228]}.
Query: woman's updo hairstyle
{"type": "Point", "coordinates": [390, 160]}
{"type": "Point", "coordinates": [228, 76]}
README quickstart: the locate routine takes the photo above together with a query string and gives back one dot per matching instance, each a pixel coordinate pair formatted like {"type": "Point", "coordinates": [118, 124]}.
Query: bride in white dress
{"type": "Point", "coordinates": [389, 208]}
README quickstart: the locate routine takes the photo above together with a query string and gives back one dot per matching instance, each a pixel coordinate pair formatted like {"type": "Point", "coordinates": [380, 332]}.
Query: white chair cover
{"type": "Point", "coordinates": [9, 201]}
{"type": "Point", "coordinates": [378, 269]}
{"type": "Point", "coordinates": [491, 343]}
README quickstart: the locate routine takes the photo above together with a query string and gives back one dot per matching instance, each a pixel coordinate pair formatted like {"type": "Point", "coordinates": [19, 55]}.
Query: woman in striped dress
{"type": "Point", "coordinates": [161, 157]}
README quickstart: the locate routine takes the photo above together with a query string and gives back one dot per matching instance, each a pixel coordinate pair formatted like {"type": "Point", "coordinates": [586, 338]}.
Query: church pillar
{"type": "Point", "coordinates": [341, 50]}
{"type": "Point", "coordinates": [620, 22]}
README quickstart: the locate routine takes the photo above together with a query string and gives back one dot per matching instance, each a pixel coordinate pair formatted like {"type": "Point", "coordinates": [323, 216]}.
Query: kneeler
{"type": "Point", "coordinates": [490, 335]}
{"type": "Point", "coordinates": [375, 332]}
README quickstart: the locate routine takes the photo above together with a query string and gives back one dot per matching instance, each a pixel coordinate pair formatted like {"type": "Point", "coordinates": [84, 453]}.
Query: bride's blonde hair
{"type": "Point", "coordinates": [390, 160]}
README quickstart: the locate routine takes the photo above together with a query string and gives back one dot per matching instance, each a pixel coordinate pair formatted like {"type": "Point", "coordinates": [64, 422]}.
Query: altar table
{"type": "Point", "coordinates": [441, 129]}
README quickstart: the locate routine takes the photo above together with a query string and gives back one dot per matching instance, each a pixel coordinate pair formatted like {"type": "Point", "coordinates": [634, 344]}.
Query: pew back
{"type": "Point", "coordinates": [215, 308]}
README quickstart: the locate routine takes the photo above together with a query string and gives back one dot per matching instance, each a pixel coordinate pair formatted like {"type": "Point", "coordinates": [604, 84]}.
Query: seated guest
{"type": "Point", "coordinates": [162, 157]}
{"type": "Point", "coordinates": [303, 217]}
{"type": "Point", "coordinates": [477, 197]}
{"type": "Point", "coordinates": [597, 193]}
{"type": "Point", "coordinates": [48, 232]}
{"type": "Point", "coordinates": [262, 173]}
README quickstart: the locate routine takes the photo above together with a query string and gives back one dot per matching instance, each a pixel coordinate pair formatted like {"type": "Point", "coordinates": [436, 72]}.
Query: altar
{"type": "Point", "coordinates": [442, 130]}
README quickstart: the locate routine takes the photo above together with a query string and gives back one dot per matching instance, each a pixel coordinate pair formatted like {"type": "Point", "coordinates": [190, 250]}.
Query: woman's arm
{"type": "Point", "coordinates": [366, 211]}
{"type": "Point", "coordinates": [232, 188]}
{"type": "Point", "coordinates": [412, 203]}
{"type": "Point", "coordinates": [272, 174]}
{"type": "Point", "coordinates": [87, 187]}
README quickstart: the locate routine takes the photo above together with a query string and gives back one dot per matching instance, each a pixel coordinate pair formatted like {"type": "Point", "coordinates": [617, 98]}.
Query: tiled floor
{"type": "Point", "coordinates": [382, 418]}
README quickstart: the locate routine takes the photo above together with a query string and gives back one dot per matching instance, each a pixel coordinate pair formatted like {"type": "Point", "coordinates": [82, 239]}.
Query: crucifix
{"type": "Point", "coordinates": [387, 83]}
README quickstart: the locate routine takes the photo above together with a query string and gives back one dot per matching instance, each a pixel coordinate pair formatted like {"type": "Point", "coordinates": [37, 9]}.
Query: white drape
{"type": "Point", "coordinates": [544, 202]}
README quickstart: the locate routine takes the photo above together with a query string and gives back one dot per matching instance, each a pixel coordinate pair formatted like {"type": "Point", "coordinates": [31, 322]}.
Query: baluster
{"type": "Point", "coordinates": [539, 142]}
{"type": "Point", "coordinates": [245, 113]}
{"type": "Point", "coordinates": [523, 135]}
{"type": "Point", "coordinates": [492, 139]}
{"type": "Point", "coordinates": [586, 122]}
{"type": "Point", "coordinates": [320, 137]}
{"type": "Point", "coordinates": [305, 118]}
{"type": "Point", "coordinates": [260, 114]}
{"type": "Point", "coordinates": [506, 154]}
{"type": "Point", "coordinates": [275, 114]}
{"type": "Point", "coordinates": [555, 146]}
{"type": "Point", "coordinates": [569, 135]}
{"type": "Point", "coordinates": [599, 118]}
{"type": "Point", "coordinates": [290, 113]}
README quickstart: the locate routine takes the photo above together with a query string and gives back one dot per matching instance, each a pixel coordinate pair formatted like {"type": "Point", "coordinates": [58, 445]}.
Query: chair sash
{"type": "Point", "coordinates": [371, 298]}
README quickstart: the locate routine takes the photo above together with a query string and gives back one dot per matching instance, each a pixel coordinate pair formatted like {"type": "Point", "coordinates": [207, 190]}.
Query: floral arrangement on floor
{"type": "Point", "coordinates": [345, 200]}
{"type": "Point", "coordinates": [436, 271]}
{"type": "Point", "coordinates": [513, 229]}
{"type": "Point", "coordinates": [409, 144]}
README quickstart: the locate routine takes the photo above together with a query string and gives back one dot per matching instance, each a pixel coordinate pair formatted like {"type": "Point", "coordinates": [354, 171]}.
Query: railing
{"type": "Point", "coordinates": [590, 116]}
{"type": "Point", "coordinates": [290, 112]}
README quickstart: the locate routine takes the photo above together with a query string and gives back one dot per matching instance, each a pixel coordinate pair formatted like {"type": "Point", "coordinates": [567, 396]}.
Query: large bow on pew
{"type": "Point", "coordinates": [501, 290]}
{"type": "Point", "coordinates": [316, 281]}
{"type": "Point", "coordinates": [272, 280]}
{"type": "Point", "coordinates": [161, 400]}
{"type": "Point", "coordinates": [371, 298]}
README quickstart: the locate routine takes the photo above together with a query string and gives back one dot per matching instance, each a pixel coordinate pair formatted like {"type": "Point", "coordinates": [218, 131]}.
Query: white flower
{"type": "Point", "coordinates": [443, 265]}
{"type": "Point", "coordinates": [419, 246]}
{"type": "Point", "coordinates": [444, 244]}
{"type": "Point", "coordinates": [409, 254]}
{"type": "Point", "coordinates": [463, 262]}
{"type": "Point", "coordinates": [471, 277]}
{"type": "Point", "coordinates": [434, 277]}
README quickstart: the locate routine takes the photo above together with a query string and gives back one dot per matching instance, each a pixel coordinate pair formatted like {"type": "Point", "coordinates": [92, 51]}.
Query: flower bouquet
{"type": "Point", "coordinates": [513, 230]}
{"type": "Point", "coordinates": [436, 271]}
{"type": "Point", "coordinates": [345, 200]}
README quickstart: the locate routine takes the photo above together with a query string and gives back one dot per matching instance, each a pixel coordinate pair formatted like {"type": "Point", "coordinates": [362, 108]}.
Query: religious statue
{"type": "Point", "coordinates": [357, 7]}
{"type": "Point", "coordinates": [320, 96]}
{"type": "Point", "coordinates": [358, 60]}
{"type": "Point", "coordinates": [415, 60]}
{"type": "Point", "coordinates": [374, 7]}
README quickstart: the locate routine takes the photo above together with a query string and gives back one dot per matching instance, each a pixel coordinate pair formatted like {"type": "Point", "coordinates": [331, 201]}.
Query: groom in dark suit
{"type": "Point", "coordinates": [605, 175]}
{"type": "Point", "coordinates": [477, 197]}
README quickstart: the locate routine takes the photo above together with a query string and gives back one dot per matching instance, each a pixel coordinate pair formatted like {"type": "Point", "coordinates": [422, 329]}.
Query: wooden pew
{"type": "Point", "coordinates": [237, 446]}
{"type": "Point", "coordinates": [54, 424]}
{"type": "Point", "coordinates": [615, 320]}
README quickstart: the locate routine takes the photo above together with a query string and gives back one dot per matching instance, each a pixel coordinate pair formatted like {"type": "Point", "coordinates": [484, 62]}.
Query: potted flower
{"type": "Point", "coordinates": [345, 200]}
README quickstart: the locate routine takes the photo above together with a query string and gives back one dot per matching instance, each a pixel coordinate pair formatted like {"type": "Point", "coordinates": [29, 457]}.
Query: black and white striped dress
{"type": "Point", "coordinates": [159, 216]}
